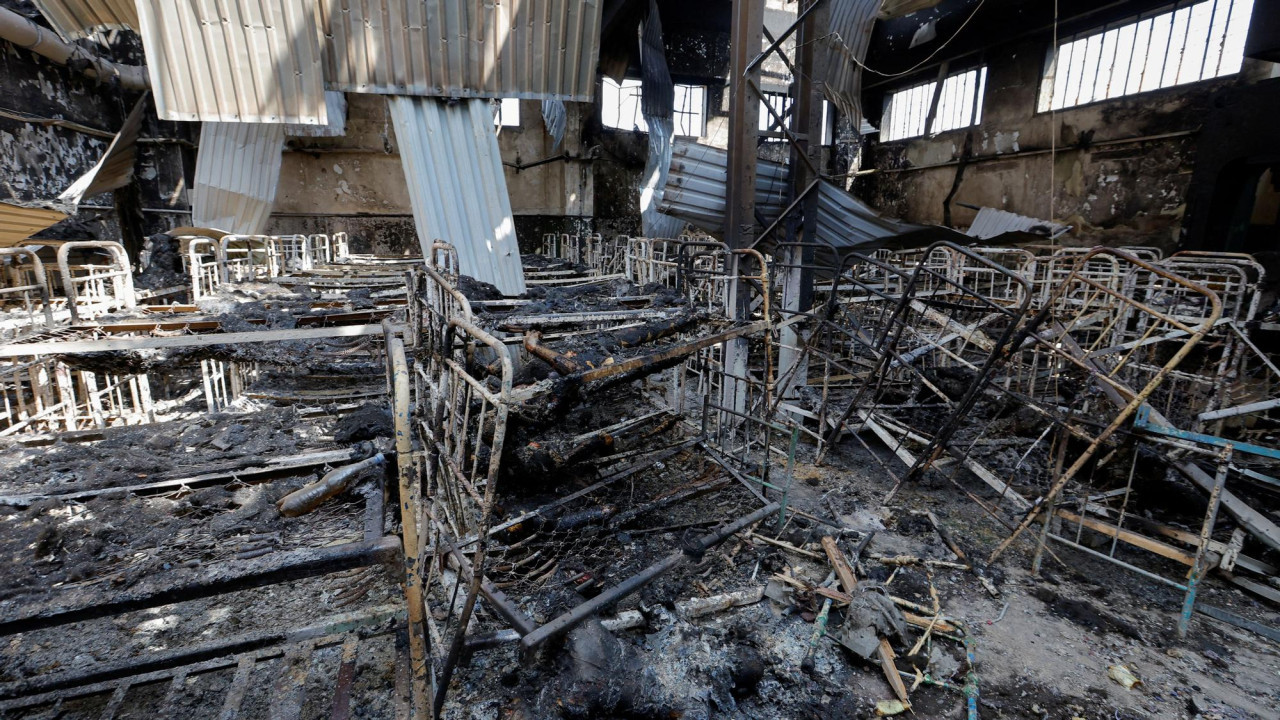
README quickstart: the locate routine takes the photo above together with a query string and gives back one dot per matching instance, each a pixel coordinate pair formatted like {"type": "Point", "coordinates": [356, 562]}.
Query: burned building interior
{"type": "Point", "coordinates": [535, 359]}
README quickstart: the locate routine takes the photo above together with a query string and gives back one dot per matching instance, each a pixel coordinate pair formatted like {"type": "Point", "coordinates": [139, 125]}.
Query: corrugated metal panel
{"type": "Point", "coordinates": [657, 93]}
{"type": "Point", "coordinates": [532, 49]}
{"type": "Point", "coordinates": [457, 187]}
{"type": "Point", "coordinates": [843, 49]}
{"type": "Point", "coordinates": [335, 104]}
{"type": "Point", "coordinates": [80, 18]}
{"type": "Point", "coordinates": [695, 189]}
{"type": "Point", "coordinates": [556, 118]}
{"type": "Point", "coordinates": [115, 169]}
{"type": "Point", "coordinates": [18, 222]}
{"type": "Point", "coordinates": [991, 222]}
{"type": "Point", "coordinates": [845, 222]}
{"type": "Point", "coordinates": [255, 62]}
{"type": "Point", "coordinates": [654, 180]}
{"type": "Point", "coordinates": [237, 172]}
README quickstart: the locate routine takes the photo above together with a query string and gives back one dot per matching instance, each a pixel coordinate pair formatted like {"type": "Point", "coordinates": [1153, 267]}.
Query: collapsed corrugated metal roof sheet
{"type": "Point", "coordinates": [335, 104]}
{"type": "Point", "coordinates": [255, 62]}
{"type": "Point", "coordinates": [531, 49]}
{"type": "Point", "coordinates": [991, 222]}
{"type": "Point", "coordinates": [115, 169]}
{"type": "Point", "coordinates": [653, 182]}
{"type": "Point", "coordinates": [457, 187]}
{"type": "Point", "coordinates": [843, 50]}
{"type": "Point", "coordinates": [556, 118]}
{"type": "Point", "coordinates": [696, 180]}
{"type": "Point", "coordinates": [80, 18]}
{"type": "Point", "coordinates": [19, 222]}
{"type": "Point", "coordinates": [846, 223]}
{"type": "Point", "coordinates": [237, 171]}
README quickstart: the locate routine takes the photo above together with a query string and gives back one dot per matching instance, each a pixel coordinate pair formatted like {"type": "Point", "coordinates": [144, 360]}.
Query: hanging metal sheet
{"type": "Point", "coordinates": [19, 222]}
{"type": "Point", "coordinates": [695, 189]}
{"type": "Point", "coordinates": [254, 62]}
{"type": "Point", "coordinates": [990, 222]}
{"type": "Point", "coordinates": [844, 47]}
{"type": "Point", "coordinates": [532, 49]}
{"type": "Point", "coordinates": [80, 18]}
{"type": "Point", "coordinates": [115, 169]}
{"type": "Point", "coordinates": [335, 104]}
{"type": "Point", "coordinates": [556, 118]}
{"type": "Point", "coordinates": [847, 223]}
{"type": "Point", "coordinates": [457, 187]}
{"type": "Point", "coordinates": [237, 172]}
{"type": "Point", "coordinates": [653, 182]}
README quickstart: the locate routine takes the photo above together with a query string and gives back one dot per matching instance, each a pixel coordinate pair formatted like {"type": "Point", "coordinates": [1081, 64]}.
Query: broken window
{"type": "Point", "coordinates": [507, 113]}
{"type": "Point", "coordinates": [691, 110]}
{"type": "Point", "coordinates": [1181, 43]}
{"type": "Point", "coordinates": [958, 105]}
{"type": "Point", "coordinates": [620, 107]}
{"type": "Point", "coordinates": [781, 103]}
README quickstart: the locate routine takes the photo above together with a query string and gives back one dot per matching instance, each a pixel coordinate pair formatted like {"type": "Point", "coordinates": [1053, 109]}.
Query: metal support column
{"type": "Point", "coordinates": [747, 37]}
{"type": "Point", "coordinates": [797, 279]}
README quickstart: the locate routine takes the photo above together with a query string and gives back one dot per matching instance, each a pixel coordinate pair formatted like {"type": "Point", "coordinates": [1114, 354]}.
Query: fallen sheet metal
{"type": "Point", "coordinates": [556, 118]}
{"type": "Point", "coordinates": [990, 222]}
{"type": "Point", "coordinates": [237, 172]}
{"type": "Point", "coordinates": [533, 49]}
{"type": "Point", "coordinates": [253, 62]}
{"type": "Point", "coordinates": [19, 222]}
{"type": "Point", "coordinates": [695, 189]}
{"type": "Point", "coordinates": [844, 47]}
{"type": "Point", "coordinates": [457, 187]}
{"type": "Point", "coordinates": [656, 104]}
{"type": "Point", "coordinates": [335, 105]}
{"type": "Point", "coordinates": [115, 169]}
{"type": "Point", "coordinates": [79, 18]}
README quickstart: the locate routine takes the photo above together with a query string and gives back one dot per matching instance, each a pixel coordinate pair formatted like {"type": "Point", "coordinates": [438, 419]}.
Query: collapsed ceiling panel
{"type": "Point", "coordinates": [695, 189]}
{"type": "Point", "coordinates": [237, 172]}
{"type": "Point", "coordinates": [335, 109]}
{"type": "Point", "coordinates": [257, 61]}
{"type": "Point", "coordinates": [19, 222]}
{"type": "Point", "coordinates": [80, 18]}
{"type": "Point", "coordinates": [115, 169]}
{"type": "Point", "coordinates": [457, 187]}
{"type": "Point", "coordinates": [463, 48]}
{"type": "Point", "coordinates": [843, 50]}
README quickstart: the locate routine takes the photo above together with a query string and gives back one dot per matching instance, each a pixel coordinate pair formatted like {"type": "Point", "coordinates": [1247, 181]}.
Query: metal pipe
{"type": "Point", "coordinates": [410, 500]}
{"type": "Point", "coordinates": [311, 496]}
{"type": "Point", "coordinates": [26, 34]}
{"type": "Point", "coordinates": [579, 614]}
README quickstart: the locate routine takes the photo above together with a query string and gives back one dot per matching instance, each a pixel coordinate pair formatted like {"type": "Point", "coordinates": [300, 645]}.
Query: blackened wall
{"type": "Point", "coordinates": [1119, 170]}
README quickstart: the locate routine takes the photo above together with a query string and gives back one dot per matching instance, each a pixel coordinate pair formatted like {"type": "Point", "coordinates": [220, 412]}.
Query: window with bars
{"type": "Point", "coordinates": [507, 113]}
{"type": "Point", "coordinates": [690, 111]}
{"type": "Point", "coordinates": [959, 105]}
{"type": "Point", "coordinates": [781, 104]}
{"type": "Point", "coordinates": [1181, 43]}
{"type": "Point", "coordinates": [620, 107]}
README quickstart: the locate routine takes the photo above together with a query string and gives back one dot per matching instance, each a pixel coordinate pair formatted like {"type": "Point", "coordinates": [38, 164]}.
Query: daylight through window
{"type": "Point", "coordinates": [620, 107]}
{"type": "Point", "coordinates": [1178, 44]}
{"type": "Point", "coordinates": [959, 105]}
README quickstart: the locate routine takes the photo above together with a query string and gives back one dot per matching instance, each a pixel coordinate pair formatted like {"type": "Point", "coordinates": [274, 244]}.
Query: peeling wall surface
{"type": "Point", "coordinates": [1116, 170]}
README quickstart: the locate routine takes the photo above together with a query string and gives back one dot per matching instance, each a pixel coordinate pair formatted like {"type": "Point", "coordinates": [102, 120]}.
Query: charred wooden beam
{"type": "Point", "coordinates": [186, 584]}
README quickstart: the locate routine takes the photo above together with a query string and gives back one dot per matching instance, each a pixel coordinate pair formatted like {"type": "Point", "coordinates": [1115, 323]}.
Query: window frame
{"type": "Point", "coordinates": [694, 112]}
{"type": "Point", "coordinates": [1048, 90]}
{"type": "Point", "coordinates": [949, 105]}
